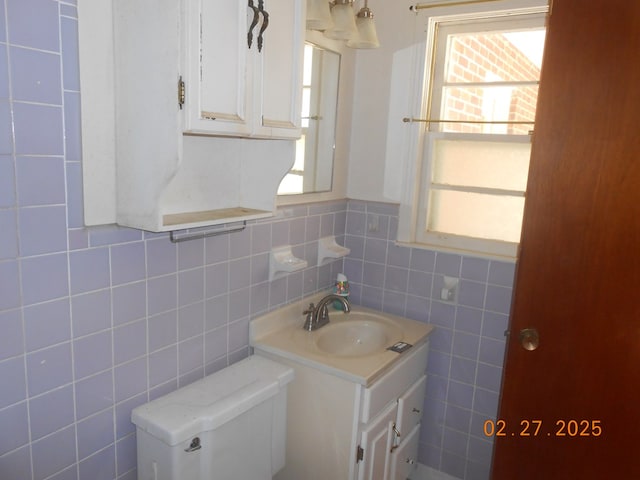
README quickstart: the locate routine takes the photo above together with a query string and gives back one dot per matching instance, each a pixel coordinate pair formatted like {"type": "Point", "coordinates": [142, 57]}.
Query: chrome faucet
{"type": "Point", "coordinates": [318, 315]}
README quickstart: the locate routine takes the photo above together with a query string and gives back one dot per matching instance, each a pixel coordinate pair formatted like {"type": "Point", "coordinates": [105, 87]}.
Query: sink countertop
{"type": "Point", "coordinates": [280, 332]}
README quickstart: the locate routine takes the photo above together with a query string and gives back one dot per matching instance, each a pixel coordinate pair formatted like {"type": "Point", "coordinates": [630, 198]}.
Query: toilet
{"type": "Point", "coordinates": [230, 425]}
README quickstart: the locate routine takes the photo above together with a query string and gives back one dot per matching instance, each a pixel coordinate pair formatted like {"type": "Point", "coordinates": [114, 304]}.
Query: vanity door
{"type": "Point", "coordinates": [410, 408]}
{"type": "Point", "coordinates": [404, 449]}
{"type": "Point", "coordinates": [375, 444]}
{"type": "Point", "coordinates": [403, 459]}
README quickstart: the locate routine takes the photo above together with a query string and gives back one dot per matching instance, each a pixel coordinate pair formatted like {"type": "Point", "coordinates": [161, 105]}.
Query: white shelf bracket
{"type": "Point", "coordinates": [328, 249]}
{"type": "Point", "coordinates": [283, 261]}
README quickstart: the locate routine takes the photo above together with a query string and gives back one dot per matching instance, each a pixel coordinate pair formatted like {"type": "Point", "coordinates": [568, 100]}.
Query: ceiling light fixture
{"type": "Point", "coordinates": [344, 21]}
{"type": "Point", "coordinates": [338, 21]}
{"type": "Point", "coordinates": [318, 15]}
{"type": "Point", "coordinates": [367, 36]}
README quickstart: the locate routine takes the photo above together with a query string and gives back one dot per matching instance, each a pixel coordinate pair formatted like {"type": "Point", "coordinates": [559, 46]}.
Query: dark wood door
{"type": "Point", "coordinates": [578, 274]}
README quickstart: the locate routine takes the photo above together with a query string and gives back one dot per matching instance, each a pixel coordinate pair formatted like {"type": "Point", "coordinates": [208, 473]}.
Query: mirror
{"type": "Point", "coordinates": [312, 170]}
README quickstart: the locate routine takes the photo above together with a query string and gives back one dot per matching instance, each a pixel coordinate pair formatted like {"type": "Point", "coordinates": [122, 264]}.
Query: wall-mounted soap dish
{"type": "Point", "coordinates": [283, 261]}
{"type": "Point", "coordinates": [328, 249]}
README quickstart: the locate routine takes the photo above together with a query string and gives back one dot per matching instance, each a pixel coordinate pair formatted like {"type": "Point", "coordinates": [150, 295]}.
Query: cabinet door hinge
{"type": "Point", "coordinates": [181, 92]}
{"type": "Point", "coordinates": [359, 454]}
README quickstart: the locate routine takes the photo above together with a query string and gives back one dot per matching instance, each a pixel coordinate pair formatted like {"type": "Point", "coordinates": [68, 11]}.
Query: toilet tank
{"type": "Point", "coordinates": [230, 425]}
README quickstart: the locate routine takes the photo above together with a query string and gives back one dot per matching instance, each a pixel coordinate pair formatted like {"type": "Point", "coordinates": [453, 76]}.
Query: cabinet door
{"type": "Point", "coordinates": [233, 88]}
{"type": "Point", "coordinates": [410, 407]}
{"type": "Point", "coordinates": [375, 440]}
{"type": "Point", "coordinates": [405, 457]}
{"type": "Point", "coordinates": [216, 65]}
{"type": "Point", "coordinates": [279, 70]}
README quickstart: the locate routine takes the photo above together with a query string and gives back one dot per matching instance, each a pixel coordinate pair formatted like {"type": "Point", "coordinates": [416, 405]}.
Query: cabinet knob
{"type": "Point", "coordinates": [415, 410]}
{"type": "Point", "coordinates": [410, 461]}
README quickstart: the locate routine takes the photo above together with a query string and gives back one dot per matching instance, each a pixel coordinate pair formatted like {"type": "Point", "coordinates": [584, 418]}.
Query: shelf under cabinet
{"type": "Point", "coordinates": [213, 217]}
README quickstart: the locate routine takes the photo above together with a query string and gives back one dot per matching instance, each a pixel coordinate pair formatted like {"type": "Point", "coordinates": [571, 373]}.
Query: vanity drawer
{"type": "Point", "coordinates": [399, 379]}
{"type": "Point", "coordinates": [410, 406]}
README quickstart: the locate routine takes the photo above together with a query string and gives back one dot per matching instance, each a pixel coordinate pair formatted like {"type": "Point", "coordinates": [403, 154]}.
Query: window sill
{"type": "Point", "coordinates": [457, 251]}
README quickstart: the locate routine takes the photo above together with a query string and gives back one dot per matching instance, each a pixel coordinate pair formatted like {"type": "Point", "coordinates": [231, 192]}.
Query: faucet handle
{"type": "Point", "coordinates": [323, 314]}
{"type": "Point", "coordinates": [308, 321]}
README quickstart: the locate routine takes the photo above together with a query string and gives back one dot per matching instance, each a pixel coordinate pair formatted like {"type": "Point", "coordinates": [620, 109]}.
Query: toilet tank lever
{"type": "Point", "coordinates": [195, 445]}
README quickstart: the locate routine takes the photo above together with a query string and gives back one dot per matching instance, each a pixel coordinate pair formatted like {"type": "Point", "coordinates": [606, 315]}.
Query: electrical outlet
{"type": "Point", "coordinates": [450, 289]}
{"type": "Point", "coordinates": [373, 223]}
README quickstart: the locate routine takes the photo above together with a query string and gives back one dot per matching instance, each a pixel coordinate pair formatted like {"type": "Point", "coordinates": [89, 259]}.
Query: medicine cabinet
{"type": "Point", "coordinates": [167, 87]}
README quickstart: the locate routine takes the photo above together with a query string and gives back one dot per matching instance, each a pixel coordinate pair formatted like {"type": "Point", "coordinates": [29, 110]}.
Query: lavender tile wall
{"type": "Point", "coordinates": [96, 321]}
{"type": "Point", "coordinates": [467, 348]}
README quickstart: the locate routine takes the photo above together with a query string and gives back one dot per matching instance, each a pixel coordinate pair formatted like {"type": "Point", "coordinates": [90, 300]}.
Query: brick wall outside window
{"type": "Point", "coordinates": [472, 58]}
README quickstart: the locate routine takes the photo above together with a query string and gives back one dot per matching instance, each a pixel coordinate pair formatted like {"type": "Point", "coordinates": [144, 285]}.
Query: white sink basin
{"type": "Point", "coordinates": [353, 346]}
{"type": "Point", "coordinates": [357, 334]}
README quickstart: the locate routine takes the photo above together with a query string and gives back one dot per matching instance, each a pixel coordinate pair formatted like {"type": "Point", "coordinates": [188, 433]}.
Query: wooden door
{"type": "Point", "coordinates": [578, 275]}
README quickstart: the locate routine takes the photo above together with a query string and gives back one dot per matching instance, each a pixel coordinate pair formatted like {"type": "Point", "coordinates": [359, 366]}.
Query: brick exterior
{"type": "Point", "coordinates": [482, 58]}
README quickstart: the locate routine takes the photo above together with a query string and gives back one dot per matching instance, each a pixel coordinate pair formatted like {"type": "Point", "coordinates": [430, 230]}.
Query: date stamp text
{"type": "Point", "coordinates": [535, 428]}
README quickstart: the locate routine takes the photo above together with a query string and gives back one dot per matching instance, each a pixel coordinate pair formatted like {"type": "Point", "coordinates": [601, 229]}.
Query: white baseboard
{"type": "Point", "coordinates": [427, 473]}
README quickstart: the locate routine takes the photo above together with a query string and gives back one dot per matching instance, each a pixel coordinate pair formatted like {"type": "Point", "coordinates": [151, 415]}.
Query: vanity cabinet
{"type": "Point", "coordinates": [242, 70]}
{"type": "Point", "coordinates": [345, 430]}
{"type": "Point", "coordinates": [167, 87]}
{"type": "Point", "coordinates": [387, 448]}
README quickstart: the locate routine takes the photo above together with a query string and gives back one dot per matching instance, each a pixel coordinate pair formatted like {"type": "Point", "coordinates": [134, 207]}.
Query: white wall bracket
{"type": "Point", "coordinates": [328, 249]}
{"type": "Point", "coordinates": [283, 261]}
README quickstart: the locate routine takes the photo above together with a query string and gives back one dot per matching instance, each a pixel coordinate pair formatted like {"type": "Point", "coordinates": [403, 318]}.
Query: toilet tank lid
{"type": "Point", "coordinates": [212, 401]}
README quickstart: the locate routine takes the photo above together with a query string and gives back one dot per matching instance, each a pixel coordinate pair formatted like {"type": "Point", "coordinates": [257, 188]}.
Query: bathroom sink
{"type": "Point", "coordinates": [353, 346]}
{"type": "Point", "coordinates": [357, 334]}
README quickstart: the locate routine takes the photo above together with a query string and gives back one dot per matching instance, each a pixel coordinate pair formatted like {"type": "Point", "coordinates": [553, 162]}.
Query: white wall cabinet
{"type": "Point", "coordinates": [343, 430]}
{"type": "Point", "coordinates": [154, 162]}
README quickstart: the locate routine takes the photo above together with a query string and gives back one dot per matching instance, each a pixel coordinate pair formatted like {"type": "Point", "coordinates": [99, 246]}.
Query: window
{"type": "Point", "coordinates": [481, 96]}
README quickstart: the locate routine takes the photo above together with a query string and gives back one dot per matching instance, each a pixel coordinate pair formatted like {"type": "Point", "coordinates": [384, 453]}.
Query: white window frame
{"type": "Point", "coordinates": [413, 207]}
{"type": "Point", "coordinates": [448, 240]}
